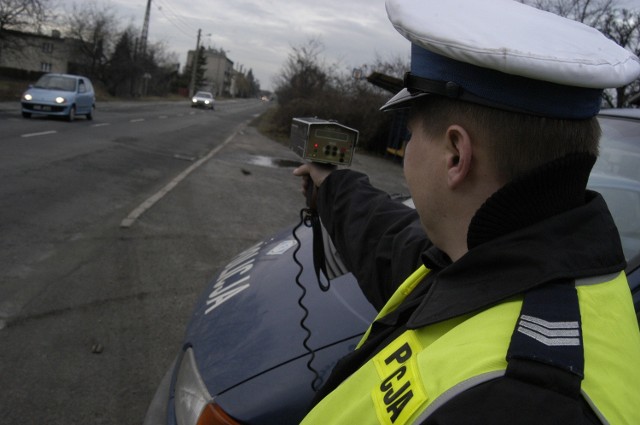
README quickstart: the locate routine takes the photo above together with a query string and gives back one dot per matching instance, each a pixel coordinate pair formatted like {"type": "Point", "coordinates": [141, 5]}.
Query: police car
{"type": "Point", "coordinates": [264, 335]}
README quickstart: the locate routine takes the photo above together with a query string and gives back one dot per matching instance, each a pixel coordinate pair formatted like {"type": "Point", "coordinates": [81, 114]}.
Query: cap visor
{"type": "Point", "coordinates": [402, 99]}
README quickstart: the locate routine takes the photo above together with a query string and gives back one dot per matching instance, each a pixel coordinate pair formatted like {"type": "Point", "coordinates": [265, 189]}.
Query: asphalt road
{"type": "Point", "coordinates": [110, 229]}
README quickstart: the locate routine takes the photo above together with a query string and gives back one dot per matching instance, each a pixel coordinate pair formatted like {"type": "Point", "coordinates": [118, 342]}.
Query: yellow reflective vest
{"type": "Point", "coordinates": [424, 368]}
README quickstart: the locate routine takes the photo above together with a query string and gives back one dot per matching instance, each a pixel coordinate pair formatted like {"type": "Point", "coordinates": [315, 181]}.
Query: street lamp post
{"type": "Point", "coordinates": [194, 65]}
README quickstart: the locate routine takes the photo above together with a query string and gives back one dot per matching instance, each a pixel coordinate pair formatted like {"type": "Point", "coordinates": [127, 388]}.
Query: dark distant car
{"type": "Point", "coordinates": [61, 95]}
{"type": "Point", "coordinates": [243, 360]}
{"type": "Point", "coordinates": [203, 99]}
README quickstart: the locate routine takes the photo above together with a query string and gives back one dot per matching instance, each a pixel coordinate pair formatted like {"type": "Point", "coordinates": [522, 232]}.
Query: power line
{"type": "Point", "coordinates": [183, 31]}
{"type": "Point", "coordinates": [177, 15]}
{"type": "Point", "coordinates": [176, 26]}
{"type": "Point", "coordinates": [176, 20]}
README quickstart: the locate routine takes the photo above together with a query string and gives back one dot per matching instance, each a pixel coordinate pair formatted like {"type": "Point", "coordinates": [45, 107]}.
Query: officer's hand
{"type": "Point", "coordinates": [313, 176]}
{"type": "Point", "coordinates": [313, 173]}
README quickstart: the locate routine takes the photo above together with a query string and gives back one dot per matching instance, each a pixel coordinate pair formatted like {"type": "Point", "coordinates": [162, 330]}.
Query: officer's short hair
{"type": "Point", "coordinates": [516, 142]}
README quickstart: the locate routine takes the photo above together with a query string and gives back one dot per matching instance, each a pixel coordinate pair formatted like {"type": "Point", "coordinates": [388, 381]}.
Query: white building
{"type": "Point", "coordinates": [37, 52]}
{"type": "Point", "coordinates": [218, 74]}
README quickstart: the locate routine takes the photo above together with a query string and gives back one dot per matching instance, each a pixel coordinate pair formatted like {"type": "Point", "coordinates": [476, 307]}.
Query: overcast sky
{"type": "Point", "coordinates": [260, 34]}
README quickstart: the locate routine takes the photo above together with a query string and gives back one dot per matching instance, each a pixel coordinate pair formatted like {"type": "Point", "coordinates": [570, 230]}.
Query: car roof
{"type": "Point", "coordinates": [621, 112]}
{"type": "Point", "coordinates": [56, 74]}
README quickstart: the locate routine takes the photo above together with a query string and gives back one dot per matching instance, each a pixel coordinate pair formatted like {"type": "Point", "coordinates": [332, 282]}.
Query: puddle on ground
{"type": "Point", "coordinates": [267, 161]}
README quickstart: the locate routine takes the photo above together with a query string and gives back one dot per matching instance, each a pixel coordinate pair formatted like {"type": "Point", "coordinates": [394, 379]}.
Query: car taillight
{"type": "Point", "coordinates": [212, 414]}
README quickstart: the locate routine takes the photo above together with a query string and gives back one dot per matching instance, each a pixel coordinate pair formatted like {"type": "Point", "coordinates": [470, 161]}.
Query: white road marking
{"type": "Point", "coordinates": [163, 117]}
{"type": "Point", "coordinates": [42, 133]}
{"type": "Point", "coordinates": [101, 124]}
{"type": "Point", "coordinates": [151, 201]}
{"type": "Point", "coordinates": [137, 120]}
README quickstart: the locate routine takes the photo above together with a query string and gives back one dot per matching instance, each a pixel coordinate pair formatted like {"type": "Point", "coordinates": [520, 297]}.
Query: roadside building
{"type": "Point", "coordinates": [218, 72]}
{"type": "Point", "coordinates": [22, 52]}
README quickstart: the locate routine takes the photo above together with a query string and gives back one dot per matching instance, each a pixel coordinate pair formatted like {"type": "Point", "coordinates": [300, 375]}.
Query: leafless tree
{"type": "Point", "coordinates": [618, 24]}
{"type": "Point", "coordinates": [394, 66]}
{"type": "Point", "coordinates": [246, 84]}
{"type": "Point", "coordinates": [589, 12]}
{"type": "Point", "coordinates": [95, 28]}
{"type": "Point", "coordinates": [23, 14]}
{"type": "Point", "coordinates": [304, 73]}
{"type": "Point", "coordinates": [623, 27]}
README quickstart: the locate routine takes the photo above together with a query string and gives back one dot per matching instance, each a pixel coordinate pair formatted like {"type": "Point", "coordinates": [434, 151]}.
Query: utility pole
{"type": "Point", "coordinates": [194, 66]}
{"type": "Point", "coordinates": [145, 30]}
{"type": "Point", "coordinates": [140, 53]}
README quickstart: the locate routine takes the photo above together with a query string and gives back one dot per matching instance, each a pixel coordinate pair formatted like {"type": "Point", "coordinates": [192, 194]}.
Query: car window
{"type": "Point", "coordinates": [616, 175]}
{"type": "Point", "coordinates": [56, 82]}
{"type": "Point", "coordinates": [204, 94]}
{"type": "Point", "coordinates": [81, 87]}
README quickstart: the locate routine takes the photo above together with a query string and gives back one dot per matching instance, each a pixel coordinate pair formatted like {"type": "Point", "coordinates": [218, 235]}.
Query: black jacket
{"type": "Point", "coordinates": [541, 228]}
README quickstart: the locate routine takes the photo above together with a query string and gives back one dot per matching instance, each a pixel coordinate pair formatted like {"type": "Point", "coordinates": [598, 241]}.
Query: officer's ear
{"type": "Point", "coordinates": [459, 155]}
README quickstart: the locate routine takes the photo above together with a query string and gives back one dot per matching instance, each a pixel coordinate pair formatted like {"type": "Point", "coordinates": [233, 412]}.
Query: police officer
{"type": "Point", "coordinates": [502, 297]}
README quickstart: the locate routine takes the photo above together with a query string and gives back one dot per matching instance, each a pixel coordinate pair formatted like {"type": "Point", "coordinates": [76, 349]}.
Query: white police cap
{"type": "Point", "coordinates": [507, 55]}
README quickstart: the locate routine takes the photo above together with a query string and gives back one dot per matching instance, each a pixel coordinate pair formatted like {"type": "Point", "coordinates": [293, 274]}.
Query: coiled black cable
{"type": "Point", "coordinates": [306, 215]}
